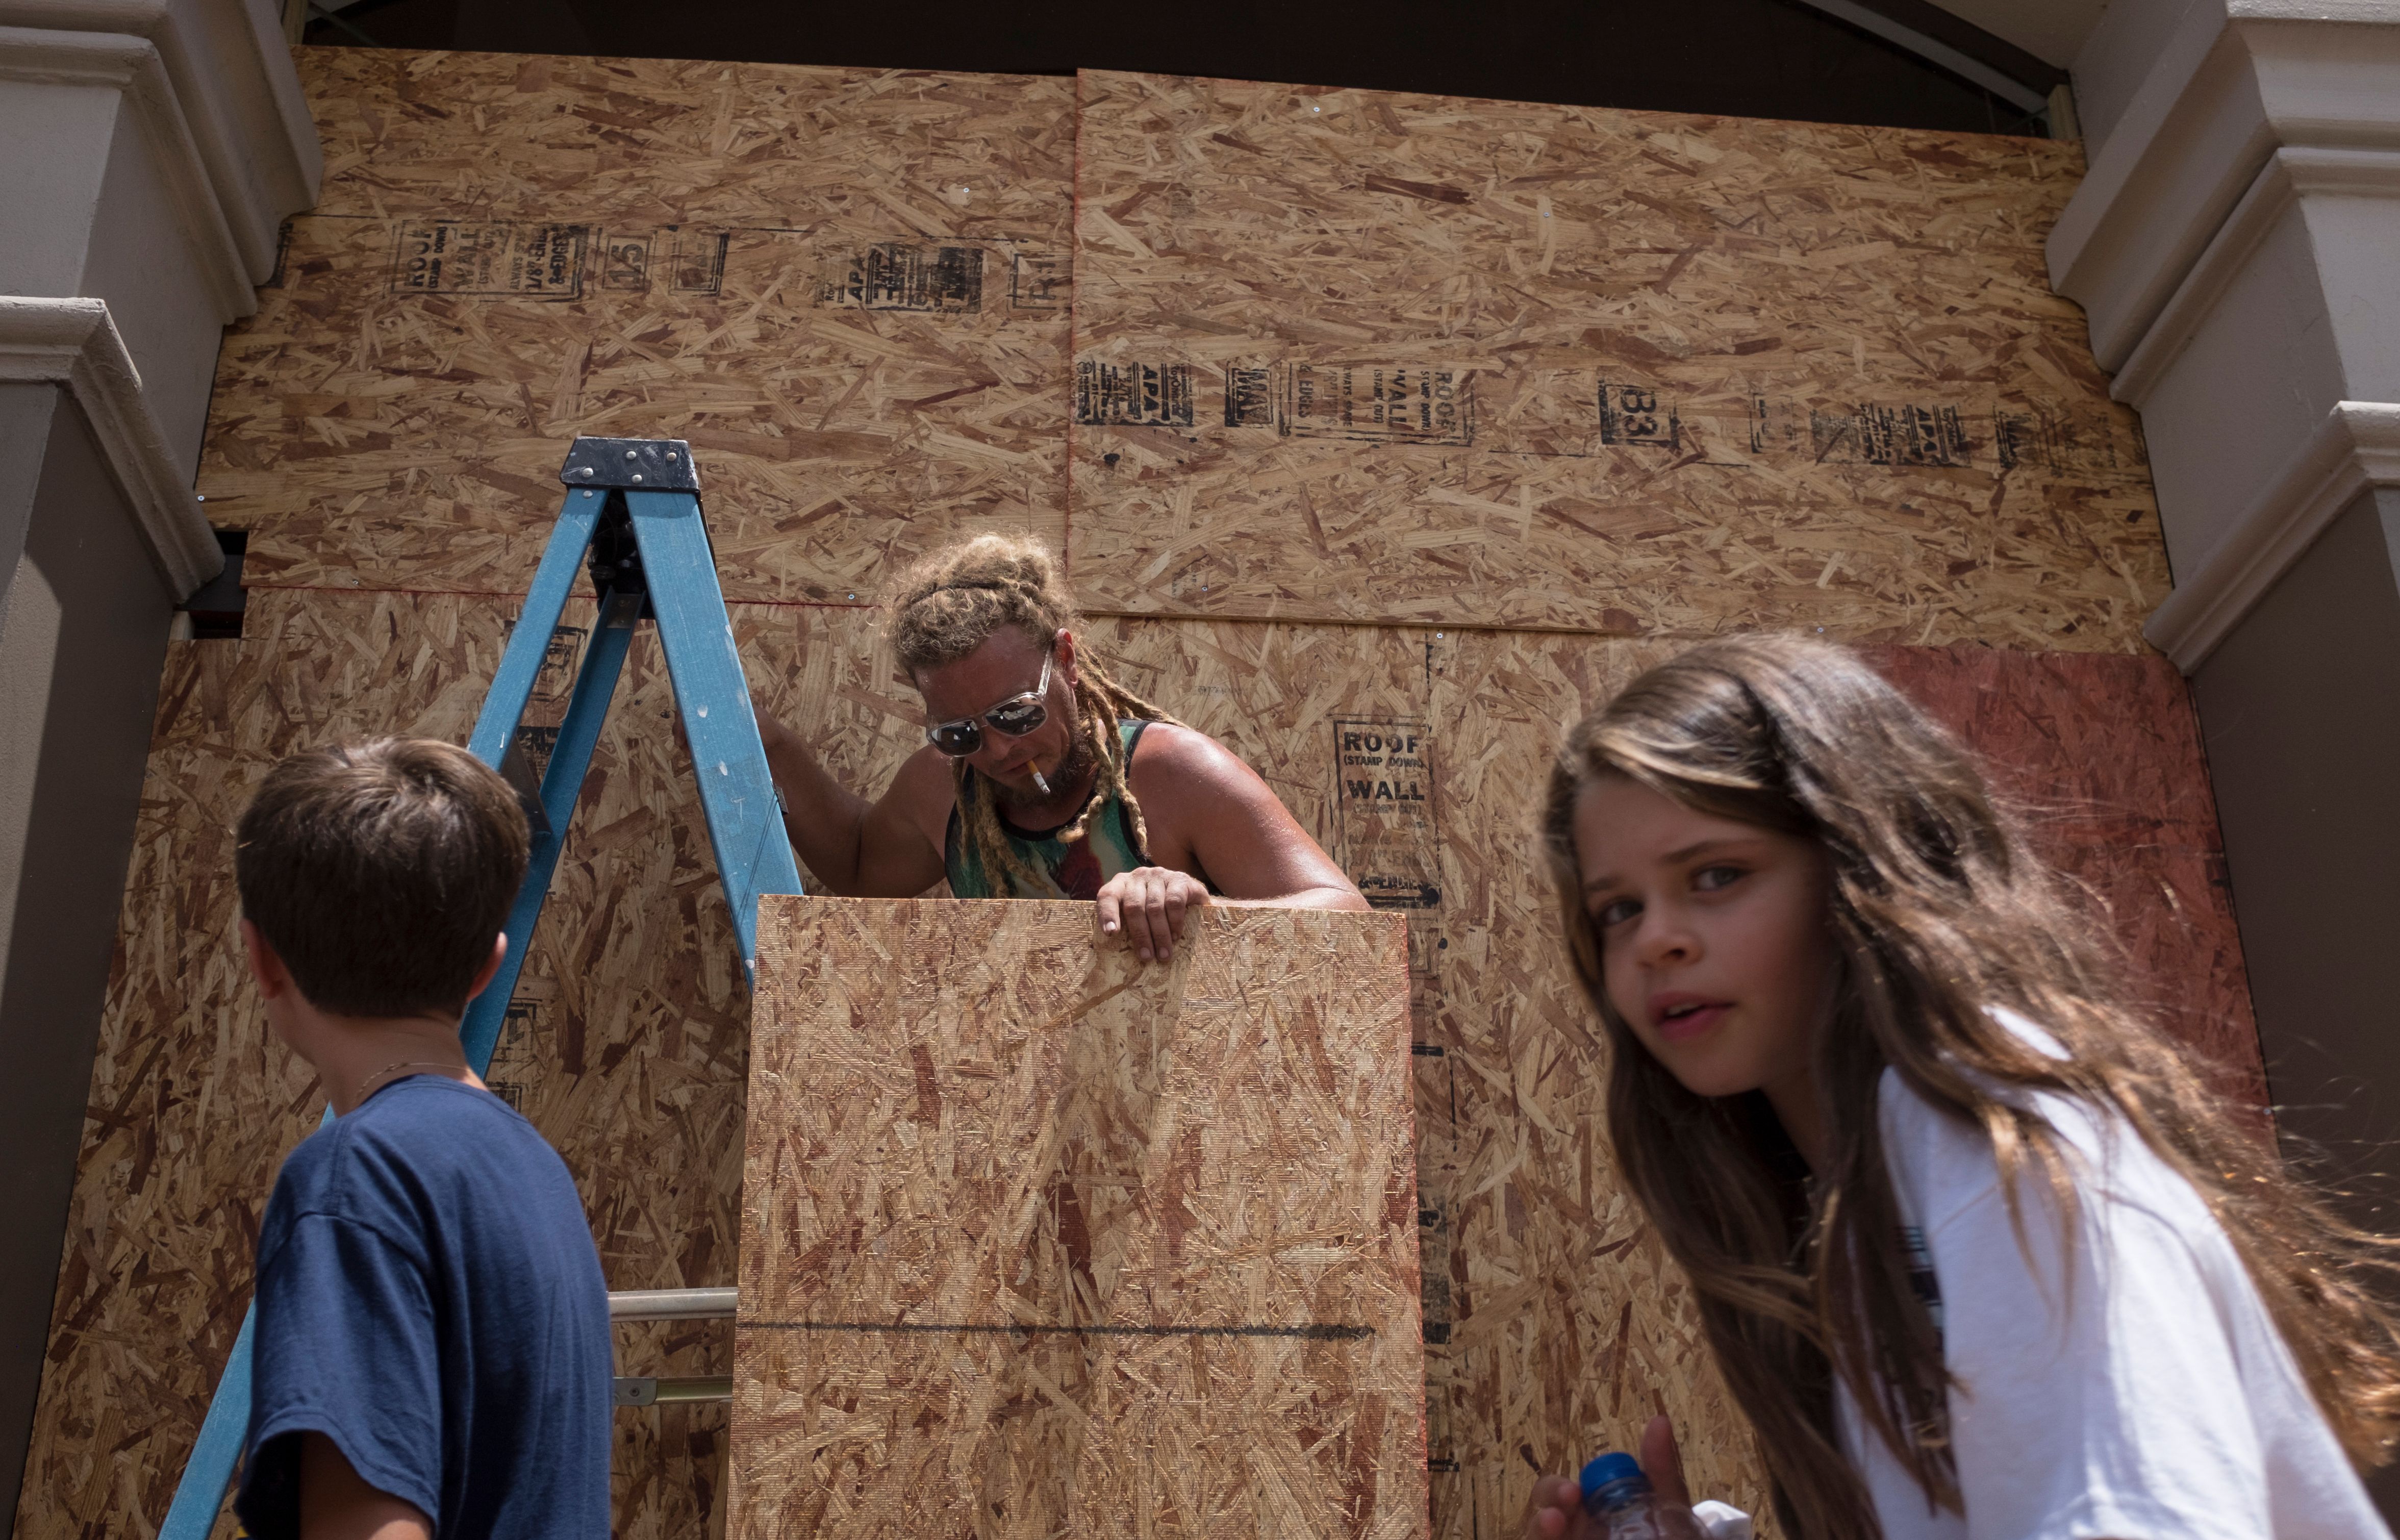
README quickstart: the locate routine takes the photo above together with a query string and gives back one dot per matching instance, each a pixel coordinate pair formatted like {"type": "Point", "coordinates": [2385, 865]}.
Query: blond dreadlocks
{"type": "Point", "coordinates": [951, 603]}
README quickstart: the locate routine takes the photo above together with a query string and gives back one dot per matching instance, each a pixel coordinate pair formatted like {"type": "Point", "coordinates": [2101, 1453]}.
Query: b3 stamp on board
{"type": "Point", "coordinates": [1636, 414]}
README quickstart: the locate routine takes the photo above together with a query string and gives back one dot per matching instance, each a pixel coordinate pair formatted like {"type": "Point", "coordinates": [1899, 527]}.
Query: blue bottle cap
{"type": "Point", "coordinates": [1614, 1467]}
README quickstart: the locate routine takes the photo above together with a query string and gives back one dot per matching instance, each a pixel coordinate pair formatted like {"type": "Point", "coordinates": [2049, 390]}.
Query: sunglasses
{"type": "Point", "coordinates": [1016, 716]}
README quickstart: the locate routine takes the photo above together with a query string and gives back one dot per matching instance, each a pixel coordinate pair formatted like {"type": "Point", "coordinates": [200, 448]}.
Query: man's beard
{"type": "Point", "coordinates": [1078, 764]}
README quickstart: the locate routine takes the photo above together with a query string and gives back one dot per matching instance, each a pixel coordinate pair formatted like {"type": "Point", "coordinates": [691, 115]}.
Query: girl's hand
{"type": "Point", "coordinates": [1663, 1463]}
{"type": "Point", "coordinates": [1556, 1510]}
{"type": "Point", "coordinates": [1143, 909]}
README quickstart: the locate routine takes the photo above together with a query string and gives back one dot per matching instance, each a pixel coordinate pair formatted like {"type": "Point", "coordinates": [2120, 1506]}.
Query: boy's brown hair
{"type": "Point", "coordinates": [380, 872]}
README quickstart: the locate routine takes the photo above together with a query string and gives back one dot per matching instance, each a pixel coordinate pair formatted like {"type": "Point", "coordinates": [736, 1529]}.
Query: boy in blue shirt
{"type": "Point", "coordinates": [432, 1354]}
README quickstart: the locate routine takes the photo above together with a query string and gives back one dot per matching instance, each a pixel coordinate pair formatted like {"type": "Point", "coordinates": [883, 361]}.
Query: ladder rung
{"type": "Point", "coordinates": [670, 1304]}
{"type": "Point", "coordinates": [643, 1391]}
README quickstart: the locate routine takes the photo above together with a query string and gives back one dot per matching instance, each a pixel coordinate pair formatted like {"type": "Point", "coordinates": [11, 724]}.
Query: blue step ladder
{"type": "Point", "coordinates": [632, 509]}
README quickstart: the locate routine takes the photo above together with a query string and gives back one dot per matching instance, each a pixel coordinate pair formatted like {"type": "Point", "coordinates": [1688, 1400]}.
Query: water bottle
{"type": "Point", "coordinates": [1618, 1498]}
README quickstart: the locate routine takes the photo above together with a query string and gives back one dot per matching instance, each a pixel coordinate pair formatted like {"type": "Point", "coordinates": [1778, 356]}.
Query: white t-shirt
{"type": "Point", "coordinates": [2155, 1401]}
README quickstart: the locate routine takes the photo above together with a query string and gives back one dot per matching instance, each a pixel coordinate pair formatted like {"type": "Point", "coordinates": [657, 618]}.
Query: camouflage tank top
{"type": "Point", "coordinates": [1108, 847]}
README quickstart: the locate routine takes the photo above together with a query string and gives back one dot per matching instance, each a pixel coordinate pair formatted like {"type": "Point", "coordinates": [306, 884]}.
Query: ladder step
{"type": "Point", "coordinates": [635, 1391]}
{"type": "Point", "coordinates": [670, 1304]}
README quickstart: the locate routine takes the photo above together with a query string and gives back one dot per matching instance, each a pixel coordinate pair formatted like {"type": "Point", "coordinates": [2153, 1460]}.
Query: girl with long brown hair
{"type": "Point", "coordinates": [1977, 1251]}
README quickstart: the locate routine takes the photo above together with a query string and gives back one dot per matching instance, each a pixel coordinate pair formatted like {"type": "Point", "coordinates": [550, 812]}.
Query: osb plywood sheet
{"type": "Point", "coordinates": [2104, 755]}
{"type": "Point", "coordinates": [1036, 1237]}
{"type": "Point", "coordinates": [846, 289]}
{"type": "Point", "coordinates": [672, 141]}
{"type": "Point", "coordinates": [1360, 356]}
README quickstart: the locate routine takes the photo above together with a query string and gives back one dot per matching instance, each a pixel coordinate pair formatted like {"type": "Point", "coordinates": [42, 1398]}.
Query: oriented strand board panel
{"type": "Point", "coordinates": [2104, 755]}
{"type": "Point", "coordinates": [410, 133]}
{"type": "Point", "coordinates": [847, 288]}
{"type": "Point", "coordinates": [1037, 1239]}
{"type": "Point", "coordinates": [1359, 356]}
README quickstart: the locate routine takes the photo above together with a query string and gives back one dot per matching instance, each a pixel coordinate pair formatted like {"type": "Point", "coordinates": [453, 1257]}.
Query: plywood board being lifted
{"type": "Point", "coordinates": [1361, 356]}
{"type": "Point", "coordinates": [1036, 1238]}
{"type": "Point", "coordinates": [847, 288]}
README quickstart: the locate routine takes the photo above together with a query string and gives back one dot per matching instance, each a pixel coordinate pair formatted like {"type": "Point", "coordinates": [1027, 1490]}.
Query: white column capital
{"type": "Point", "coordinates": [74, 343]}
{"type": "Point", "coordinates": [2290, 174]}
{"type": "Point", "coordinates": [2215, 109]}
{"type": "Point", "coordinates": [226, 69]}
{"type": "Point", "coordinates": [2355, 449]}
{"type": "Point", "coordinates": [131, 66]}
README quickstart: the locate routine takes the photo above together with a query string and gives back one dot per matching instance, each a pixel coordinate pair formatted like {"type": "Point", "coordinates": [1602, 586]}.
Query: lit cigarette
{"type": "Point", "coordinates": [1039, 782]}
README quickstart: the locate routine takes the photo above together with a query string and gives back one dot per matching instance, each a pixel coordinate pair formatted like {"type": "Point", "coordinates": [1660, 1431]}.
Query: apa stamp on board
{"type": "Point", "coordinates": [1872, 433]}
{"type": "Point", "coordinates": [1133, 395]}
{"type": "Point", "coordinates": [1912, 435]}
{"type": "Point", "coordinates": [898, 275]}
{"type": "Point", "coordinates": [489, 258]}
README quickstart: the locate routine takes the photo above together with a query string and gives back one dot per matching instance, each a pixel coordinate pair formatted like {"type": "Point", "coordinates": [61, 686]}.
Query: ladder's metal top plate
{"type": "Point", "coordinates": [642, 465]}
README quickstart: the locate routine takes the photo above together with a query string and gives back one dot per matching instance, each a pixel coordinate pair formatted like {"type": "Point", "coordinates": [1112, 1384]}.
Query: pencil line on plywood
{"type": "Point", "coordinates": [1313, 1332]}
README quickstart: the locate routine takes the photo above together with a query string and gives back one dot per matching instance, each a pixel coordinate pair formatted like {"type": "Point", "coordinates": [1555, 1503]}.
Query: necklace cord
{"type": "Point", "coordinates": [403, 1064]}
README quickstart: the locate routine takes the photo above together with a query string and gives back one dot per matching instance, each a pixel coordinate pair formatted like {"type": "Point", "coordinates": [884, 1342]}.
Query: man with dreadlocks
{"type": "Point", "coordinates": [1042, 777]}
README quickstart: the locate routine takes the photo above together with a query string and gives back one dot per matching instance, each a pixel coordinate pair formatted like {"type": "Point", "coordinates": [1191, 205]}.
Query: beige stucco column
{"type": "Point", "coordinates": [152, 150]}
{"type": "Point", "coordinates": [2237, 248]}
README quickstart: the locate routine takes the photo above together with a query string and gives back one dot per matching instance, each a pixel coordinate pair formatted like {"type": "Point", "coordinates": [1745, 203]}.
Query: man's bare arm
{"type": "Point", "coordinates": [858, 849]}
{"type": "Point", "coordinates": [1235, 828]}
{"type": "Point", "coordinates": [1206, 808]}
{"type": "Point", "coordinates": [336, 1503]}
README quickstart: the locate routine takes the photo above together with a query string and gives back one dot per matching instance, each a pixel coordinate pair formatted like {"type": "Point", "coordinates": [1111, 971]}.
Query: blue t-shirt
{"type": "Point", "coordinates": [430, 1299]}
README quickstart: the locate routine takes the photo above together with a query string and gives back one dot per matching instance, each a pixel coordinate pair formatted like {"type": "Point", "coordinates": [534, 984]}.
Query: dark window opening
{"type": "Point", "coordinates": [216, 609]}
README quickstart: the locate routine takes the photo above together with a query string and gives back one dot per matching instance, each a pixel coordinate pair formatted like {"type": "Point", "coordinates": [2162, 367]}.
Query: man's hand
{"type": "Point", "coordinates": [1555, 1511]}
{"type": "Point", "coordinates": [1143, 909]}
